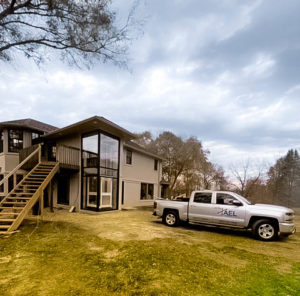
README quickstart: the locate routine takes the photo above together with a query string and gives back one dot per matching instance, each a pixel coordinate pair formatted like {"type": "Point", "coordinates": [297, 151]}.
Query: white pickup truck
{"type": "Point", "coordinates": [227, 209]}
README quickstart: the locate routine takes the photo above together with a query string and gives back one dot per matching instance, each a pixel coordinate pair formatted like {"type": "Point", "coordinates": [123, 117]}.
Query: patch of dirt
{"type": "Point", "coordinates": [111, 255]}
{"type": "Point", "coordinates": [284, 268]}
{"type": "Point", "coordinates": [5, 259]}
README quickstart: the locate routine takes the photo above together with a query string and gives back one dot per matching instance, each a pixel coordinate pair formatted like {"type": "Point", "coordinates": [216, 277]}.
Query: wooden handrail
{"type": "Point", "coordinates": [38, 150]}
{"type": "Point", "coordinates": [67, 146]}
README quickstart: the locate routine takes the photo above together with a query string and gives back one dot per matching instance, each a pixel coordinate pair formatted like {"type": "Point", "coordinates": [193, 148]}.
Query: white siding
{"type": "Point", "coordinates": [140, 171]}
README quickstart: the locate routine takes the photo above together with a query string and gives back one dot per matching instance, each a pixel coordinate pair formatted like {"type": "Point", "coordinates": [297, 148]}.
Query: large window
{"type": "Point", "coordinates": [147, 191]}
{"type": "Point", "coordinates": [109, 156]}
{"type": "Point", "coordinates": [1, 141]}
{"type": "Point", "coordinates": [15, 140]}
{"type": "Point", "coordinates": [100, 162]}
{"type": "Point", "coordinates": [90, 150]}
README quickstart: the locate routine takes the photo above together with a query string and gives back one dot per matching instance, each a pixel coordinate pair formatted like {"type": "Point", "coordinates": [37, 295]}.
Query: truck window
{"type": "Point", "coordinates": [202, 197]}
{"type": "Point", "coordinates": [225, 199]}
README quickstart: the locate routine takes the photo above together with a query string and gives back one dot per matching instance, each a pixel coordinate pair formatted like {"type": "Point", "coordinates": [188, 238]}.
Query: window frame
{"type": "Point", "coordinates": [15, 147]}
{"type": "Point", "coordinates": [203, 193]}
{"type": "Point", "coordinates": [229, 195]}
{"type": "Point", "coordinates": [128, 156]}
{"type": "Point", "coordinates": [148, 186]}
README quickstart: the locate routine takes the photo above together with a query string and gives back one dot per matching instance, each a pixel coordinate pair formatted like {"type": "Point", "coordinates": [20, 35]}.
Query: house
{"type": "Point", "coordinates": [92, 165]}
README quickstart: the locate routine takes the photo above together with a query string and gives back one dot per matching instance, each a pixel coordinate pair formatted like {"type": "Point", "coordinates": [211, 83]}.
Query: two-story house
{"type": "Point", "coordinates": [91, 165]}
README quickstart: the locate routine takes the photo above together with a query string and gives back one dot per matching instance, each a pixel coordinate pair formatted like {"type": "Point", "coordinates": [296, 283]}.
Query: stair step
{"type": "Point", "coordinates": [6, 220]}
{"type": "Point", "coordinates": [15, 202]}
{"type": "Point", "coordinates": [18, 197]}
{"type": "Point", "coordinates": [21, 193]}
{"type": "Point", "coordinates": [27, 189]}
{"type": "Point", "coordinates": [9, 214]}
{"type": "Point", "coordinates": [4, 226]}
{"type": "Point", "coordinates": [11, 208]}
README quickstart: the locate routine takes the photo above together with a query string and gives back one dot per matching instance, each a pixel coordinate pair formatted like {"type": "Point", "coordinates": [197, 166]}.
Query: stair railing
{"type": "Point", "coordinates": [19, 166]}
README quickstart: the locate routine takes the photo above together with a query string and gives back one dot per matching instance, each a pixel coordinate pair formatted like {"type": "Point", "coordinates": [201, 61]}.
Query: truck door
{"type": "Point", "coordinates": [200, 208]}
{"type": "Point", "coordinates": [226, 210]}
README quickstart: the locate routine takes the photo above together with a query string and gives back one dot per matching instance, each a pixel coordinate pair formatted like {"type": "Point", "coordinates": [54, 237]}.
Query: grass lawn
{"type": "Point", "coordinates": [132, 253]}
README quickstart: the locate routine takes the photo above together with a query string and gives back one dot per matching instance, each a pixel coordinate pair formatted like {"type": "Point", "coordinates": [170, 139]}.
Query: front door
{"type": "Point", "coordinates": [106, 193]}
{"type": "Point", "coordinates": [226, 213]}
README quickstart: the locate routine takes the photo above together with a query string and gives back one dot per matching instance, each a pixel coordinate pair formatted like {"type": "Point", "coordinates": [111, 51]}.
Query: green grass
{"type": "Point", "coordinates": [63, 257]}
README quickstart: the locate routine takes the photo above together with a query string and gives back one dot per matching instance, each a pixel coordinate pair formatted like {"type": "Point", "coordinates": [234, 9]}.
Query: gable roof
{"type": "Point", "coordinates": [30, 124]}
{"type": "Point", "coordinates": [89, 125]}
{"type": "Point", "coordinates": [138, 148]}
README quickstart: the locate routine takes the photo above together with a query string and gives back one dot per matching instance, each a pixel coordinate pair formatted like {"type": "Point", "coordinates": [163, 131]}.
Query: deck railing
{"type": "Point", "coordinates": [68, 156]}
{"type": "Point", "coordinates": [24, 153]}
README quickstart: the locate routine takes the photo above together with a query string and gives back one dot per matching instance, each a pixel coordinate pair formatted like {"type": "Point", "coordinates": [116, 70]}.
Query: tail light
{"type": "Point", "coordinates": [155, 205]}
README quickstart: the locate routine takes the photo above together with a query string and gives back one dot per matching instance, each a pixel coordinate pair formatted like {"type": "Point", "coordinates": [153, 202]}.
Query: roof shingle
{"type": "Point", "coordinates": [29, 123]}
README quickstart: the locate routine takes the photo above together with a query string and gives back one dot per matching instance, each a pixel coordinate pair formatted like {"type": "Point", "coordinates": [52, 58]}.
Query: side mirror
{"type": "Point", "coordinates": [237, 203]}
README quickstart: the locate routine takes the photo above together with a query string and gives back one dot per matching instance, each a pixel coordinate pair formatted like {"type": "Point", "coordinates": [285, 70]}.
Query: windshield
{"type": "Point", "coordinates": [245, 200]}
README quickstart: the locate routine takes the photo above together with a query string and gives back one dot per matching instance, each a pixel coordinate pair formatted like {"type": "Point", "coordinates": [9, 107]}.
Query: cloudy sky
{"type": "Point", "coordinates": [227, 72]}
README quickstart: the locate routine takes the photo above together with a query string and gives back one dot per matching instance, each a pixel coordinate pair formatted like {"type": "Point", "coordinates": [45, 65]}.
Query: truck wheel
{"type": "Point", "coordinates": [265, 230]}
{"type": "Point", "coordinates": [171, 218]}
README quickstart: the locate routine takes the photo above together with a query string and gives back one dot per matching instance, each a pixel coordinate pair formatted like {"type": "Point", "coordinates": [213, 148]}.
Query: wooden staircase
{"type": "Point", "coordinates": [17, 204]}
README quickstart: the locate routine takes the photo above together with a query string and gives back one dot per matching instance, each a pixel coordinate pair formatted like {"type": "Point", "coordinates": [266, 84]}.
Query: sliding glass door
{"type": "Point", "coordinates": [100, 171]}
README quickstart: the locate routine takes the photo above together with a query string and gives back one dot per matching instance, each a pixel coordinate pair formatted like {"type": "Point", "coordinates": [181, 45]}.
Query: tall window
{"type": "Point", "coordinates": [128, 156]}
{"type": "Point", "coordinates": [15, 140]}
{"type": "Point", "coordinates": [1, 141]}
{"type": "Point", "coordinates": [155, 164]}
{"type": "Point", "coordinates": [100, 160]}
{"type": "Point", "coordinates": [147, 191]}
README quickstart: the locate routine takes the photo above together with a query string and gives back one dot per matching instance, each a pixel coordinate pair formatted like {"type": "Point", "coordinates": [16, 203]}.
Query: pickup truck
{"type": "Point", "coordinates": [227, 209]}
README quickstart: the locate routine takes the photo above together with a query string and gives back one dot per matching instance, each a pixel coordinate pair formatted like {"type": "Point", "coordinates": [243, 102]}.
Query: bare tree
{"type": "Point", "coordinates": [83, 31]}
{"type": "Point", "coordinates": [246, 175]}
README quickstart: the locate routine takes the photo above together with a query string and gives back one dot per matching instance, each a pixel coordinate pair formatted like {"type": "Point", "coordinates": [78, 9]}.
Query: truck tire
{"type": "Point", "coordinates": [265, 230]}
{"type": "Point", "coordinates": [171, 218]}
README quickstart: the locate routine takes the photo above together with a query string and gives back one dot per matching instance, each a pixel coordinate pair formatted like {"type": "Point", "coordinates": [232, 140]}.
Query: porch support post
{"type": "Point", "coordinates": [40, 153]}
{"type": "Point", "coordinates": [42, 204]}
{"type": "Point", "coordinates": [51, 197]}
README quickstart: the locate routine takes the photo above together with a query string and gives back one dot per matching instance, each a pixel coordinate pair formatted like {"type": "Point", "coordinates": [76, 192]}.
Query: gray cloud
{"type": "Point", "coordinates": [224, 71]}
